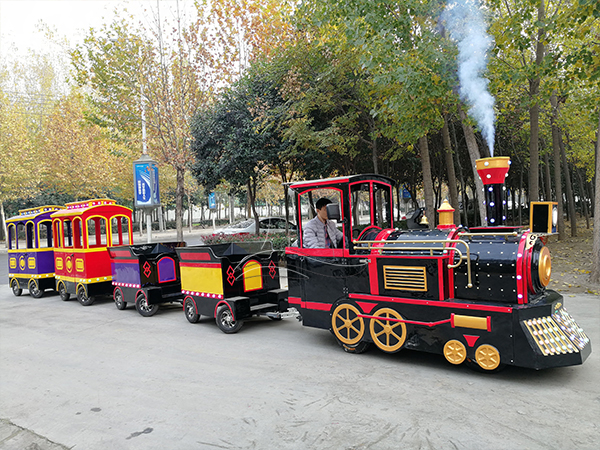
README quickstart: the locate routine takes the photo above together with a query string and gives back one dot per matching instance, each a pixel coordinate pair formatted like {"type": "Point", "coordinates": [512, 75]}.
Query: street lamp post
{"type": "Point", "coordinates": [147, 192]}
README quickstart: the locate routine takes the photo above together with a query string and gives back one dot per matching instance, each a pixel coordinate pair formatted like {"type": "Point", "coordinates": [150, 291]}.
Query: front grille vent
{"type": "Point", "coordinates": [404, 278]}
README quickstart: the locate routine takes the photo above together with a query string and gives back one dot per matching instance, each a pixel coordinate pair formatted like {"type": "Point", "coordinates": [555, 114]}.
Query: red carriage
{"type": "Point", "coordinates": [83, 231]}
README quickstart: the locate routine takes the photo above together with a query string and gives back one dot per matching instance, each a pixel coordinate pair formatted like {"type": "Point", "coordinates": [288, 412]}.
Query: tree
{"type": "Point", "coordinates": [229, 146]}
{"type": "Point", "coordinates": [18, 167]}
{"type": "Point", "coordinates": [80, 159]}
{"type": "Point", "coordinates": [162, 76]}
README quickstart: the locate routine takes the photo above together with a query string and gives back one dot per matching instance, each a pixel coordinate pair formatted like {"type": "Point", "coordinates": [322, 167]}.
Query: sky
{"type": "Point", "coordinates": [20, 20]}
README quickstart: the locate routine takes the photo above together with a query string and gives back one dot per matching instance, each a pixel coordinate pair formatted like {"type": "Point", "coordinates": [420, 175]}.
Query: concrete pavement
{"type": "Point", "coordinates": [97, 378]}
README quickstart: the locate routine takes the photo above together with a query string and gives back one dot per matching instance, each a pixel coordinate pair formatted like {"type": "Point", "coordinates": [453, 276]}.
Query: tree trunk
{"type": "Point", "coordinates": [521, 196]}
{"type": "Point", "coordinates": [251, 186]}
{"type": "Point", "coordinates": [451, 173]}
{"type": "Point", "coordinates": [583, 197]}
{"type": "Point", "coordinates": [3, 218]}
{"type": "Point", "coordinates": [595, 272]}
{"type": "Point", "coordinates": [534, 111]}
{"type": "Point", "coordinates": [179, 192]}
{"type": "Point", "coordinates": [569, 186]}
{"type": "Point", "coordinates": [465, 219]}
{"type": "Point", "coordinates": [557, 171]}
{"type": "Point", "coordinates": [547, 177]}
{"type": "Point", "coordinates": [190, 209]}
{"type": "Point", "coordinates": [473, 155]}
{"type": "Point", "coordinates": [427, 180]}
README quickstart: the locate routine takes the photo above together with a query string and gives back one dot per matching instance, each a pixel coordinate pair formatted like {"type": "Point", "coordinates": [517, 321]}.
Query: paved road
{"type": "Point", "coordinates": [97, 378]}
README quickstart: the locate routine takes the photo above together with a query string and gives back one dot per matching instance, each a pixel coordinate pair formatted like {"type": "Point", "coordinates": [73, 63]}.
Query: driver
{"type": "Point", "coordinates": [319, 232]}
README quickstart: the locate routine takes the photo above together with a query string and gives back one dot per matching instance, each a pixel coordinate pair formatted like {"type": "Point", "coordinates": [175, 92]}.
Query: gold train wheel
{"type": "Point", "coordinates": [388, 335]}
{"type": "Point", "coordinates": [347, 326]}
{"type": "Point", "coordinates": [487, 356]}
{"type": "Point", "coordinates": [455, 352]}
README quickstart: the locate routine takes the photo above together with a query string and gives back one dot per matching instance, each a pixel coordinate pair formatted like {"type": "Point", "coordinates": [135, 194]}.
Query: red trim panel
{"type": "Point", "coordinates": [444, 304]}
{"type": "Point", "coordinates": [317, 184]}
{"type": "Point", "coordinates": [195, 256]}
{"type": "Point", "coordinates": [209, 265]}
{"type": "Point", "coordinates": [126, 261]}
{"type": "Point", "coordinates": [521, 274]}
{"type": "Point", "coordinates": [373, 279]}
{"type": "Point", "coordinates": [119, 253]}
{"type": "Point", "coordinates": [441, 283]}
{"type": "Point", "coordinates": [471, 339]}
{"type": "Point", "coordinates": [324, 252]}
{"type": "Point", "coordinates": [366, 307]}
{"type": "Point", "coordinates": [309, 305]}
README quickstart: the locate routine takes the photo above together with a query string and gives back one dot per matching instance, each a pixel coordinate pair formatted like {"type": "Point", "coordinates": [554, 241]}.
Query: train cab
{"type": "Point", "coordinates": [83, 231]}
{"type": "Point", "coordinates": [30, 246]}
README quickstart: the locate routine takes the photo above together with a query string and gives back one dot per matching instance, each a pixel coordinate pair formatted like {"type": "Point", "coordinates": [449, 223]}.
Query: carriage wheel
{"type": "Point", "coordinates": [82, 296]}
{"type": "Point", "coordinates": [119, 302]}
{"type": "Point", "coordinates": [34, 290]}
{"type": "Point", "coordinates": [347, 325]}
{"type": "Point", "coordinates": [225, 320]}
{"type": "Point", "coordinates": [190, 311]}
{"type": "Point", "coordinates": [488, 357]}
{"type": "Point", "coordinates": [142, 306]}
{"type": "Point", "coordinates": [455, 352]}
{"type": "Point", "coordinates": [388, 335]}
{"type": "Point", "coordinates": [16, 290]}
{"type": "Point", "coordinates": [62, 291]}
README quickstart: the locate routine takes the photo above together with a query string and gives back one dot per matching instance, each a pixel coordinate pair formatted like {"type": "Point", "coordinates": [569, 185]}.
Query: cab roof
{"type": "Point", "coordinates": [340, 180]}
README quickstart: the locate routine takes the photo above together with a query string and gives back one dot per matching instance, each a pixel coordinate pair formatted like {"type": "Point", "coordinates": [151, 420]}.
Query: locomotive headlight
{"type": "Point", "coordinates": [544, 266]}
{"type": "Point", "coordinates": [540, 267]}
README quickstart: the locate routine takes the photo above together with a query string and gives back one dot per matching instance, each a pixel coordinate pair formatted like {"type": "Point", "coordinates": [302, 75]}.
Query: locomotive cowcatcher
{"type": "Point", "coordinates": [146, 275]}
{"type": "Point", "coordinates": [82, 232]}
{"type": "Point", "coordinates": [477, 295]}
{"type": "Point", "coordinates": [30, 250]}
{"type": "Point", "coordinates": [231, 282]}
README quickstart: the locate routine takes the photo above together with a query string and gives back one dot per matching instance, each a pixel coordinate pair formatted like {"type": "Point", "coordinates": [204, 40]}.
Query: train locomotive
{"type": "Point", "coordinates": [474, 295]}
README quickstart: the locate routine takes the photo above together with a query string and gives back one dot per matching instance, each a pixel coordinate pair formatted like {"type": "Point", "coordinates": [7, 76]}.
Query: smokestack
{"type": "Point", "coordinates": [492, 172]}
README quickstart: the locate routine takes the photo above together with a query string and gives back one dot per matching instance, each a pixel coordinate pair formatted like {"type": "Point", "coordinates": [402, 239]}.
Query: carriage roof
{"type": "Point", "coordinates": [37, 213]}
{"type": "Point", "coordinates": [100, 206]}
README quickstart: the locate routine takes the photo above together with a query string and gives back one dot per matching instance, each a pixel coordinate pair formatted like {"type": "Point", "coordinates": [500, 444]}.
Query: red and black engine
{"type": "Point", "coordinates": [478, 295]}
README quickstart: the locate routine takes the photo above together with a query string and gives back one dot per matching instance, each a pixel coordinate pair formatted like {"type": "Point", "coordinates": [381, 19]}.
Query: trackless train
{"type": "Point", "coordinates": [475, 295]}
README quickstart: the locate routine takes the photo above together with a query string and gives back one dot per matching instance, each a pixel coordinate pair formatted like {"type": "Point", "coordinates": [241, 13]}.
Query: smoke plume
{"type": "Point", "coordinates": [467, 27]}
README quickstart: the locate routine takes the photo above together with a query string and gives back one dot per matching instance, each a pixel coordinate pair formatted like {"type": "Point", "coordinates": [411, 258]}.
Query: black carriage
{"type": "Point", "coordinates": [231, 283]}
{"type": "Point", "coordinates": [146, 275]}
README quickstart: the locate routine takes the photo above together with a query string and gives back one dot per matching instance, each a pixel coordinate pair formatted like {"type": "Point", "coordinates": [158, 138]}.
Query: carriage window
{"type": "Point", "coordinates": [382, 205]}
{"type": "Point", "coordinates": [21, 236]}
{"type": "Point", "coordinates": [371, 206]}
{"type": "Point", "coordinates": [12, 237]}
{"type": "Point", "coordinates": [96, 227]}
{"type": "Point", "coordinates": [309, 199]}
{"type": "Point", "coordinates": [56, 229]}
{"type": "Point", "coordinates": [30, 235]}
{"type": "Point", "coordinates": [45, 234]}
{"type": "Point", "coordinates": [67, 229]}
{"type": "Point", "coordinates": [120, 230]}
{"type": "Point", "coordinates": [361, 206]}
{"type": "Point", "coordinates": [77, 233]}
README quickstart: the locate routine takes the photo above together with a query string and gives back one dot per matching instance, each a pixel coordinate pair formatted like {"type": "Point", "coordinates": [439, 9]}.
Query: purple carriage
{"type": "Point", "coordinates": [30, 250]}
{"type": "Point", "coordinates": [146, 274]}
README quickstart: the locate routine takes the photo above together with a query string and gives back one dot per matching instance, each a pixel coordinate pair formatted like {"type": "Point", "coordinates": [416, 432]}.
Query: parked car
{"type": "Point", "coordinates": [266, 225]}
